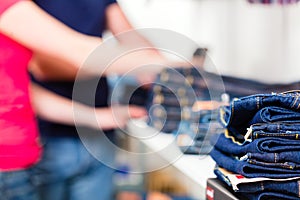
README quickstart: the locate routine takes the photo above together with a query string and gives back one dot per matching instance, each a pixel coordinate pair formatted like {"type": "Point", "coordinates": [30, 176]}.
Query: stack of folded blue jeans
{"type": "Point", "coordinates": [172, 98]}
{"type": "Point", "coordinates": [261, 142]}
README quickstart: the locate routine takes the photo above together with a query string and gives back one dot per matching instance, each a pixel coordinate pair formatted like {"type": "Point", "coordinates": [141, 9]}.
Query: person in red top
{"type": "Point", "coordinates": [25, 30]}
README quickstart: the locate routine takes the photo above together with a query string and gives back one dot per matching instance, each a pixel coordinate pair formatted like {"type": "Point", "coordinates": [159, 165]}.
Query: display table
{"type": "Point", "coordinates": [194, 170]}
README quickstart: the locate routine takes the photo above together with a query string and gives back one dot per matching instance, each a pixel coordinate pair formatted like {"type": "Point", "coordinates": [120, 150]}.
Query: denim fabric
{"type": "Point", "coordinates": [271, 145]}
{"type": "Point", "coordinates": [270, 196]}
{"type": "Point", "coordinates": [280, 157]}
{"type": "Point", "coordinates": [275, 114]}
{"type": "Point", "coordinates": [286, 187]}
{"type": "Point", "coordinates": [282, 130]}
{"type": "Point", "coordinates": [284, 165]}
{"type": "Point", "coordinates": [17, 185]}
{"type": "Point", "coordinates": [74, 170]}
{"type": "Point", "coordinates": [250, 170]}
{"type": "Point", "coordinates": [290, 187]}
{"type": "Point", "coordinates": [276, 127]}
{"type": "Point", "coordinates": [236, 117]}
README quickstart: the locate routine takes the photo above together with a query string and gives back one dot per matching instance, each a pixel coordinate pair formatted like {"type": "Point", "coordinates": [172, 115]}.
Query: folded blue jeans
{"type": "Point", "coordinates": [271, 145]}
{"type": "Point", "coordinates": [291, 187]}
{"type": "Point", "coordinates": [280, 157]}
{"type": "Point", "coordinates": [237, 115]}
{"type": "Point", "coordinates": [275, 114]}
{"type": "Point", "coordinates": [284, 165]}
{"type": "Point", "coordinates": [278, 129]}
{"type": "Point", "coordinates": [250, 170]}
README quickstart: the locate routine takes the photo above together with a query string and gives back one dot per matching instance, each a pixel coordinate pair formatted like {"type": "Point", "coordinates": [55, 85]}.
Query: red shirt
{"type": "Point", "coordinates": [19, 145]}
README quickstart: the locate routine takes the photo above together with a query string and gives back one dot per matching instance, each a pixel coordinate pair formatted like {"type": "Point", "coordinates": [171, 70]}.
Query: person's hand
{"type": "Point", "coordinates": [117, 116]}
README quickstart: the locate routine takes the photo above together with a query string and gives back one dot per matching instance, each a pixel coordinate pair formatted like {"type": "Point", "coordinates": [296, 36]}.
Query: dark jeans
{"type": "Point", "coordinates": [17, 185]}
{"type": "Point", "coordinates": [290, 187]}
{"type": "Point", "coordinates": [280, 157]}
{"type": "Point", "coordinates": [236, 116]}
{"type": "Point", "coordinates": [275, 114]}
{"type": "Point", "coordinates": [250, 170]}
{"type": "Point", "coordinates": [282, 130]}
{"type": "Point", "coordinates": [270, 145]}
{"type": "Point", "coordinates": [284, 165]}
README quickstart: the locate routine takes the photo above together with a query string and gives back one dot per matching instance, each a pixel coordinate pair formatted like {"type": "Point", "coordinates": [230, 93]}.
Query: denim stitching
{"type": "Point", "coordinates": [295, 101]}
{"type": "Point", "coordinates": [257, 103]}
{"type": "Point", "coordinates": [275, 157]}
{"type": "Point", "coordinates": [227, 135]}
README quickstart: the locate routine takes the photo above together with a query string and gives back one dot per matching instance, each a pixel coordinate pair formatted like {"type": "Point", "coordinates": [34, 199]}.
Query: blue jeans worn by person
{"type": "Point", "coordinates": [250, 170]}
{"type": "Point", "coordinates": [237, 115]}
{"type": "Point", "coordinates": [17, 185]}
{"type": "Point", "coordinates": [278, 129]}
{"type": "Point", "coordinates": [275, 114]}
{"type": "Point", "coordinates": [75, 171]}
{"type": "Point", "coordinates": [290, 187]}
{"type": "Point", "coordinates": [271, 145]}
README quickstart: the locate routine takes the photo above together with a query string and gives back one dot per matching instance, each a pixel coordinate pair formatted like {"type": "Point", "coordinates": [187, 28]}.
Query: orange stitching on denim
{"type": "Point", "coordinates": [226, 133]}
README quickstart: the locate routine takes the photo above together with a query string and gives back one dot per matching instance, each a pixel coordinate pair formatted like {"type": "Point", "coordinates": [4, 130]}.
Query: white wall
{"type": "Point", "coordinates": [245, 40]}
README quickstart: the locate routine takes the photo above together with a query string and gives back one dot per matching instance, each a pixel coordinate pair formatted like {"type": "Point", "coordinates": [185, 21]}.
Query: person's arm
{"type": "Point", "coordinates": [29, 25]}
{"type": "Point", "coordinates": [52, 107]}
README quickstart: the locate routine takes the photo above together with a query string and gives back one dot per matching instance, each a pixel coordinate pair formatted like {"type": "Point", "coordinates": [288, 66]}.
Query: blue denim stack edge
{"type": "Point", "coordinates": [280, 190]}
{"type": "Point", "coordinates": [261, 140]}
